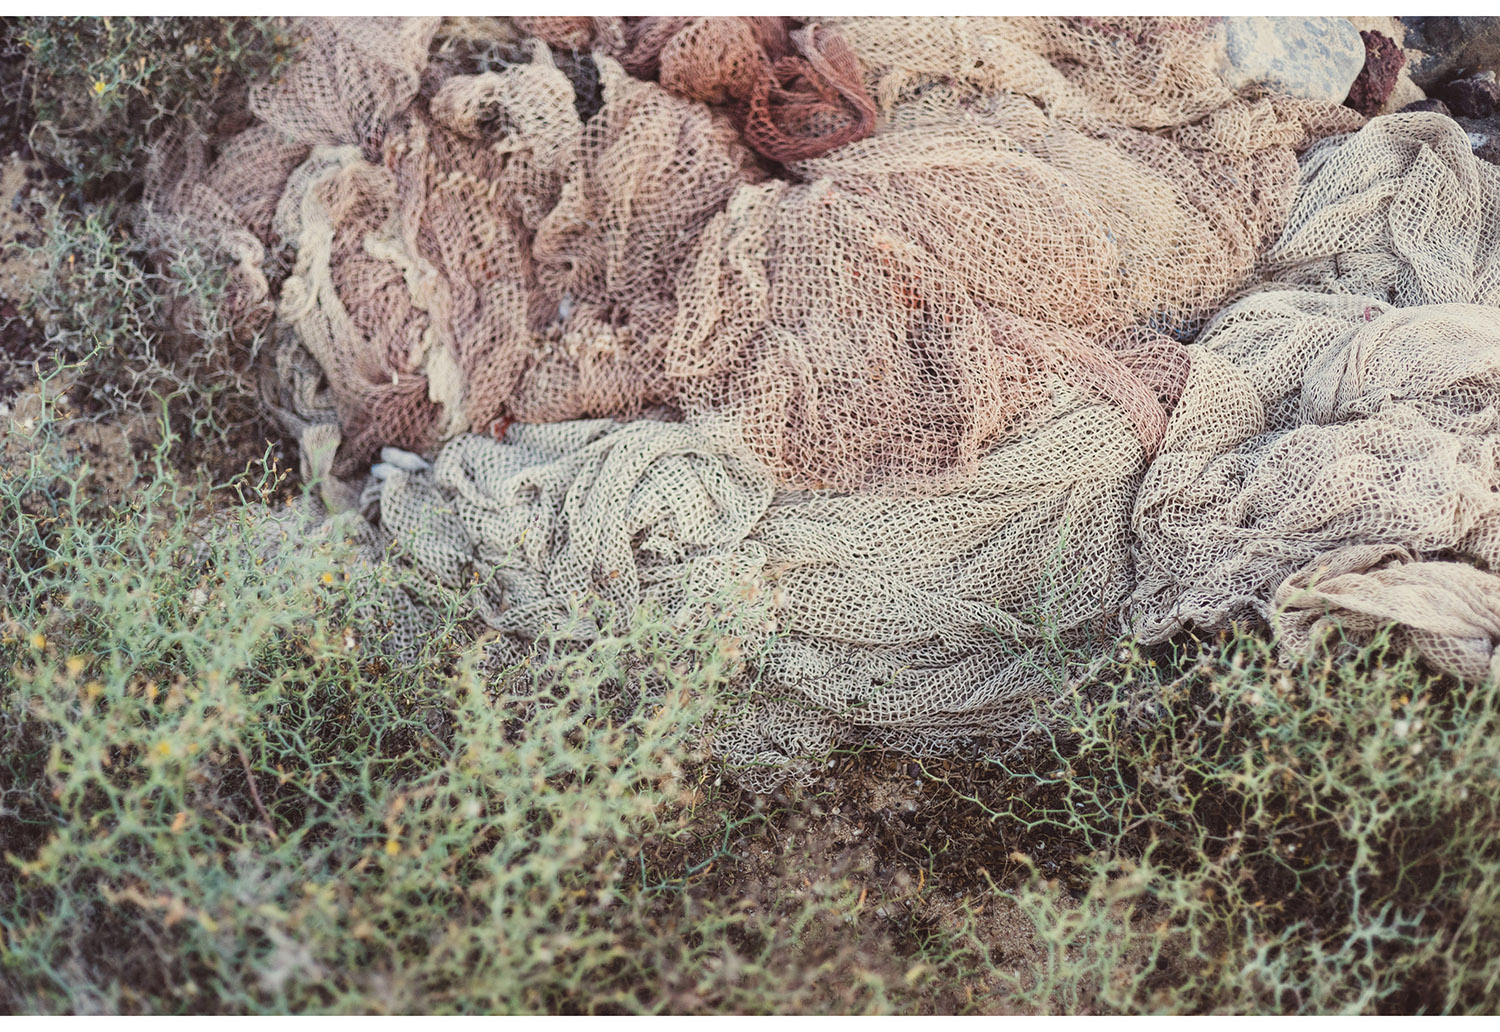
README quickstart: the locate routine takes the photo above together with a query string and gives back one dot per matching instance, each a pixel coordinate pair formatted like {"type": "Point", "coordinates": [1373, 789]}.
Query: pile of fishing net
{"type": "Point", "coordinates": [936, 344]}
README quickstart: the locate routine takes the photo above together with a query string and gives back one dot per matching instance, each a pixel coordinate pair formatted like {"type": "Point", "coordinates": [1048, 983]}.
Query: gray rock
{"type": "Point", "coordinates": [1314, 58]}
{"type": "Point", "coordinates": [1448, 48]}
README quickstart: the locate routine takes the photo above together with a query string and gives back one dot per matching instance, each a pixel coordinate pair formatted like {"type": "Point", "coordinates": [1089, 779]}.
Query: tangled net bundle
{"type": "Point", "coordinates": [935, 343]}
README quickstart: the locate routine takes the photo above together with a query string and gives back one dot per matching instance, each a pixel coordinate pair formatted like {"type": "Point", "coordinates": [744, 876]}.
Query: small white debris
{"type": "Point", "coordinates": [411, 462]}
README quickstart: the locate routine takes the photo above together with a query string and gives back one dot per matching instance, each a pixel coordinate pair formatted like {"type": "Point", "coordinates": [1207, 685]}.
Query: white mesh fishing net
{"type": "Point", "coordinates": [909, 389]}
{"type": "Point", "coordinates": [907, 618]}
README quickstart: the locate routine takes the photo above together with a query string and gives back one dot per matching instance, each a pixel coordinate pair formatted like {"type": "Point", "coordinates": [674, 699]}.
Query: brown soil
{"type": "Point", "coordinates": [927, 859]}
{"type": "Point", "coordinates": [21, 268]}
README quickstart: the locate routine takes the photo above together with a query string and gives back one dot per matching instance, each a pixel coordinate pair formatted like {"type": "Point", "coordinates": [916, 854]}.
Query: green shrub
{"type": "Point", "coordinates": [1243, 836]}
{"type": "Point", "coordinates": [219, 795]}
{"type": "Point", "coordinates": [101, 308]}
{"type": "Point", "coordinates": [103, 89]}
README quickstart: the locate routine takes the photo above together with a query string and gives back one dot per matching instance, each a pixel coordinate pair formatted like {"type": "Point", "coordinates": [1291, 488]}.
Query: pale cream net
{"type": "Point", "coordinates": [924, 402]}
{"type": "Point", "coordinates": [1337, 445]}
{"type": "Point", "coordinates": [1312, 424]}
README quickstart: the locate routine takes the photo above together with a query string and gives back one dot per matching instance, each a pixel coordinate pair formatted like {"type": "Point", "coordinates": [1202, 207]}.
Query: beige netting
{"type": "Point", "coordinates": [1337, 446]}
{"type": "Point", "coordinates": [1312, 423]}
{"type": "Point", "coordinates": [925, 401]}
{"type": "Point", "coordinates": [912, 620]}
{"type": "Point", "coordinates": [1402, 212]}
{"type": "Point", "coordinates": [1323, 447]}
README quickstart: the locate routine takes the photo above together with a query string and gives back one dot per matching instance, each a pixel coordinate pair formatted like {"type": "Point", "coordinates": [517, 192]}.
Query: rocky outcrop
{"type": "Point", "coordinates": [1446, 48]}
{"type": "Point", "coordinates": [1312, 58]}
{"type": "Point", "coordinates": [1384, 62]}
{"type": "Point", "coordinates": [1477, 96]}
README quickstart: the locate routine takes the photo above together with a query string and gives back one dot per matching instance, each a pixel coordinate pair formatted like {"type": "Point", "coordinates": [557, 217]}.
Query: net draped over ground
{"type": "Point", "coordinates": [936, 343]}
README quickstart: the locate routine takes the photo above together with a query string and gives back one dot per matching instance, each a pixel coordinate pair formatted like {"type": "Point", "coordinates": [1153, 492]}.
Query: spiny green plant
{"type": "Point", "coordinates": [104, 89]}
{"type": "Point", "coordinates": [100, 300]}
{"type": "Point", "coordinates": [220, 794]}
{"type": "Point", "coordinates": [1243, 835]}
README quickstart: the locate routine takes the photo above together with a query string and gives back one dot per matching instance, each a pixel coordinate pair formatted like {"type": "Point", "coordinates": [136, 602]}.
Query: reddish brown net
{"type": "Point", "coordinates": [795, 91]}
{"type": "Point", "coordinates": [1039, 195]}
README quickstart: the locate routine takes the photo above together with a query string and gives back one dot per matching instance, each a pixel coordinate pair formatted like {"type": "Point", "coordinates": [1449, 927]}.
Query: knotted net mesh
{"type": "Point", "coordinates": [935, 344]}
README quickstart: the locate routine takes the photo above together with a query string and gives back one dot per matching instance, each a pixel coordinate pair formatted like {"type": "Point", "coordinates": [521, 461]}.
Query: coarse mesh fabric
{"type": "Point", "coordinates": [1335, 455]}
{"type": "Point", "coordinates": [1069, 344]}
{"type": "Point", "coordinates": [1321, 436]}
{"type": "Point", "coordinates": [867, 633]}
{"type": "Point", "coordinates": [1332, 466]}
{"type": "Point", "coordinates": [470, 249]}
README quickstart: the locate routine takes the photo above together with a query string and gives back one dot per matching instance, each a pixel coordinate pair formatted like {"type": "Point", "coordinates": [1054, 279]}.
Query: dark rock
{"type": "Point", "coordinates": [1475, 97]}
{"type": "Point", "coordinates": [1426, 105]}
{"type": "Point", "coordinates": [1451, 47]}
{"type": "Point", "coordinates": [232, 123]}
{"type": "Point", "coordinates": [1384, 60]}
